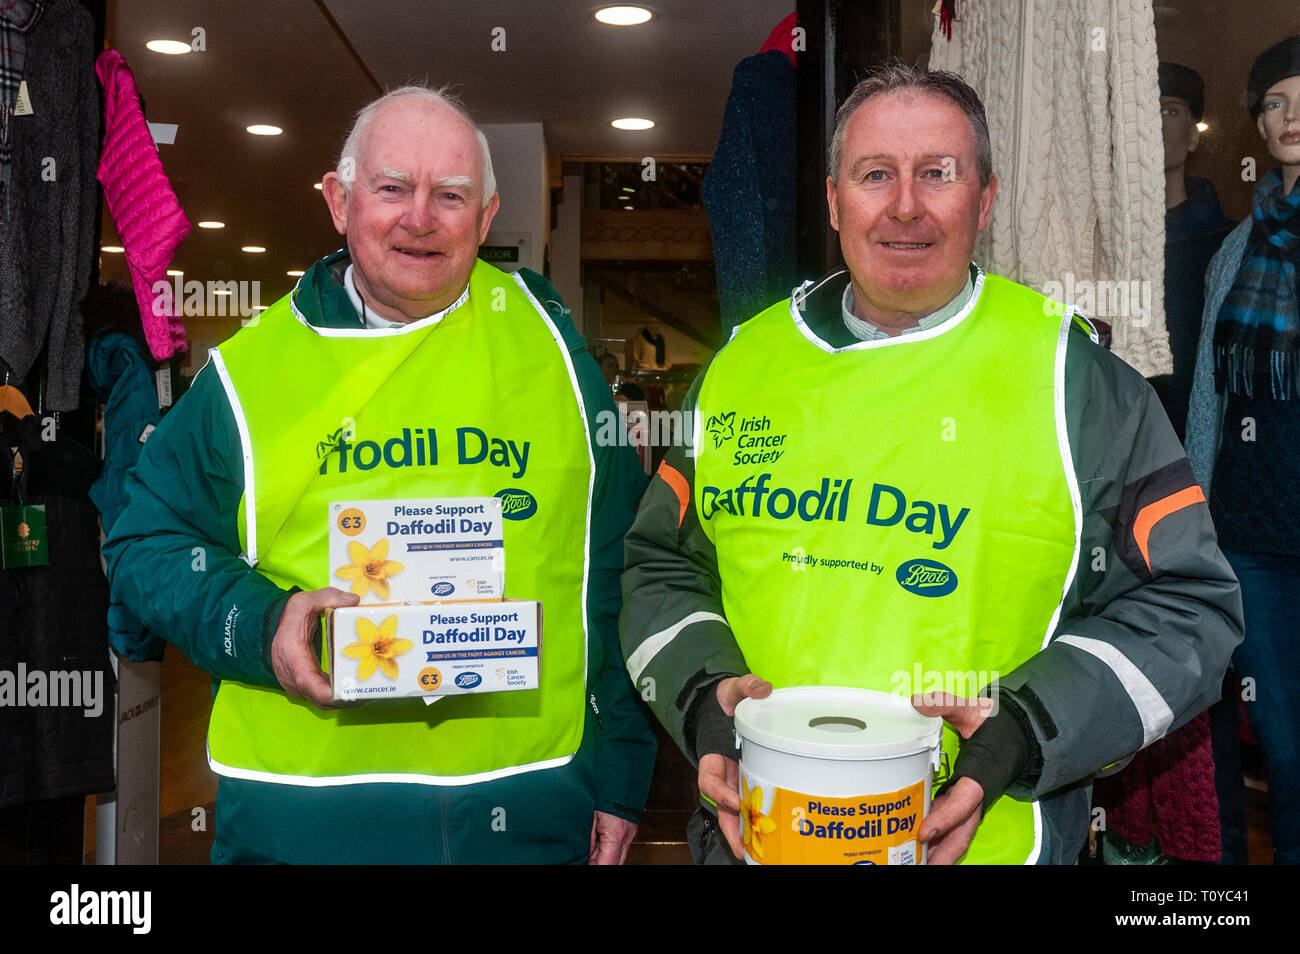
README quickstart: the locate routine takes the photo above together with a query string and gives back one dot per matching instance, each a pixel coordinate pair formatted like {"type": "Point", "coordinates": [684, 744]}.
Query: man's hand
{"type": "Point", "coordinates": [948, 829]}
{"type": "Point", "coordinates": [611, 837]}
{"type": "Point", "coordinates": [719, 777]}
{"type": "Point", "coordinates": [292, 655]}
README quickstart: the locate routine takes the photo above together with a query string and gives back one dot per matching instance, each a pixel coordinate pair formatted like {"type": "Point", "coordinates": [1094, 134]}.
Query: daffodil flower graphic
{"type": "Point", "coordinates": [369, 569]}
{"type": "Point", "coordinates": [377, 648]}
{"type": "Point", "coordinates": [753, 823]}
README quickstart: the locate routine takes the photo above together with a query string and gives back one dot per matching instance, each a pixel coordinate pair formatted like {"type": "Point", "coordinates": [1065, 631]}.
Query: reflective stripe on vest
{"type": "Point", "coordinates": [480, 400]}
{"type": "Point", "coordinates": [898, 515]}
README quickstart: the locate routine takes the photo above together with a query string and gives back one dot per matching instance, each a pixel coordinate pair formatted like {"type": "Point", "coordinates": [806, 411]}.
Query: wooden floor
{"type": "Point", "coordinates": [187, 783]}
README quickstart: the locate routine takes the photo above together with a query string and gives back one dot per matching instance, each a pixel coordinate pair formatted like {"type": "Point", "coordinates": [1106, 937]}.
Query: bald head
{"type": "Point", "coordinates": [411, 96]}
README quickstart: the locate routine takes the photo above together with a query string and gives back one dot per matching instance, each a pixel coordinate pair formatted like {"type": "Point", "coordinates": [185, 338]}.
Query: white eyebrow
{"type": "Point", "coordinates": [450, 182]}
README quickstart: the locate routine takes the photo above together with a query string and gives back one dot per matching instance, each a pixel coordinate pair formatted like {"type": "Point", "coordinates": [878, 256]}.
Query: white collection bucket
{"type": "Point", "coordinates": [832, 775]}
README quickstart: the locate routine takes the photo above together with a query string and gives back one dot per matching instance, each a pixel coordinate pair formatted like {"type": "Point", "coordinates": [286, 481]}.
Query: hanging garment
{"type": "Point", "coordinates": [118, 371]}
{"type": "Point", "coordinates": [140, 199]}
{"type": "Point", "coordinates": [58, 740]}
{"type": "Point", "coordinates": [649, 351]}
{"type": "Point", "coordinates": [17, 19]}
{"type": "Point", "coordinates": [1071, 94]}
{"type": "Point", "coordinates": [1169, 787]}
{"type": "Point", "coordinates": [47, 218]}
{"type": "Point", "coordinates": [749, 189]}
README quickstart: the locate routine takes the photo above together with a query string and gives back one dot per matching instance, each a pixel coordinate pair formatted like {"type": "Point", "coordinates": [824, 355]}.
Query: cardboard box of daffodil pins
{"type": "Point", "coordinates": [433, 620]}
{"type": "Point", "coordinates": [433, 649]}
{"type": "Point", "coordinates": [404, 550]}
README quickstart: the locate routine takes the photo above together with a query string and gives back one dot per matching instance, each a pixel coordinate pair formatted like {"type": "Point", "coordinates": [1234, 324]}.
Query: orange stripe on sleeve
{"type": "Point", "coordinates": [674, 479]}
{"type": "Point", "coordinates": [1153, 513]}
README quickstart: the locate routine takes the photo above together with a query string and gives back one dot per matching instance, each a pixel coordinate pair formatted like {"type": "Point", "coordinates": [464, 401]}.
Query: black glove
{"type": "Point", "coordinates": [1000, 752]}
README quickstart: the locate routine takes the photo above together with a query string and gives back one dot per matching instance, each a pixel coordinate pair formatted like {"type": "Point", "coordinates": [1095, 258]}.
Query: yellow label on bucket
{"type": "Point", "coordinates": [817, 830]}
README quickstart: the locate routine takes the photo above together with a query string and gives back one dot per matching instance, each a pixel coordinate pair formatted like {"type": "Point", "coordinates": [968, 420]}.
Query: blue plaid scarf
{"type": "Point", "coordinates": [1257, 334]}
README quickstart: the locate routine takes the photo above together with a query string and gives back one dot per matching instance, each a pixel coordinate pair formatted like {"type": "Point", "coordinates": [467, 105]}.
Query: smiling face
{"type": "Point", "coordinates": [414, 217]}
{"type": "Point", "coordinates": [1279, 124]}
{"type": "Point", "coordinates": [908, 204]}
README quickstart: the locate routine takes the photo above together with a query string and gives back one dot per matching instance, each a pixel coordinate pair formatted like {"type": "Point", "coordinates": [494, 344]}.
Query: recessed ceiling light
{"type": "Point", "coordinates": [296, 273]}
{"type": "Point", "coordinates": [627, 189]}
{"type": "Point", "coordinates": [264, 129]}
{"type": "Point", "coordinates": [111, 248]}
{"type": "Point", "coordinates": [629, 208]}
{"type": "Point", "coordinates": [1202, 127]}
{"type": "Point", "coordinates": [623, 15]}
{"type": "Point", "coordinates": [260, 307]}
{"type": "Point", "coordinates": [221, 291]}
{"type": "Point", "coordinates": [174, 271]}
{"type": "Point", "coordinates": [632, 122]}
{"type": "Point", "coordinates": [212, 225]}
{"type": "Point", "coordinates": [170, 47]}
{"type": "Point", "coordinates": [253, 248]}
{"type": "Point", "coordinates": [317, 185]}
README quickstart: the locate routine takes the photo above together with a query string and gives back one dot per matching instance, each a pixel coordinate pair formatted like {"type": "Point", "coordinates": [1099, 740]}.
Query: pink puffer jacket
{"type": "Point", "coordinates": [141, 201]}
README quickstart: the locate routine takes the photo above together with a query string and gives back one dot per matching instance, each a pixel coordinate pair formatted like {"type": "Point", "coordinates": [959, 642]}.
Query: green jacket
{"type": "Point", "coordinates": [1145, 631]}
{"type": "Point", "coordinates": [174, 558]}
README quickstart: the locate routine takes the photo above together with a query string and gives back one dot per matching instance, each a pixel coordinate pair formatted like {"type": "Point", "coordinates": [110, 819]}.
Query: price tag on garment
{"type": "Point", "coordinates": [163, 377]}
{"type": "Point", "coordinates": [24, 538]}
{"type": "Point", "coordinates": [23, 105]}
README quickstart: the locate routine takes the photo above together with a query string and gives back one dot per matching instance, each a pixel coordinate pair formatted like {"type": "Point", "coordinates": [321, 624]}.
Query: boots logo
{"type": "Point", "coordinates": [926, 578]}
{"type": "Point", "coordinates": [722, 427]}
{"type": "Point", "coordinates": [516, 504]}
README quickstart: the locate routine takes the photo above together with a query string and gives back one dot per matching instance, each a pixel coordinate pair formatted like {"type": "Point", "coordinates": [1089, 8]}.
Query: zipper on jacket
{"type": "Point", "coordinates": [596, 709]}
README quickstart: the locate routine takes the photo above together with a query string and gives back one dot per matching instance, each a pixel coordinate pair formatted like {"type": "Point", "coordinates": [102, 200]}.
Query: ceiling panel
{"type": "Point", "coordinates": [308, 66]}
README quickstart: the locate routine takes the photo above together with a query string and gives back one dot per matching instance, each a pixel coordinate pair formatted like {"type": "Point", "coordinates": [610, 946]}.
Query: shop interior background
{"type": "Point", "coordinates": [627, 253]}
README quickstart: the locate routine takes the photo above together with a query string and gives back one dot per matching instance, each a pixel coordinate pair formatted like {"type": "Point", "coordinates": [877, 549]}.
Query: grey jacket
{"type": "Point", "coordinates": [1206, 405]}
{"type": "Point", "coordinates": [1140, 648]}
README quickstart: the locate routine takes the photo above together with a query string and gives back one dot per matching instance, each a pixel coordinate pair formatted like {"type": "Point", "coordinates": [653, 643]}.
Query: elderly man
{"type": "Point", "coordinates": [223, 546]}
{"type": "Point", "coordinates": [919, 468]}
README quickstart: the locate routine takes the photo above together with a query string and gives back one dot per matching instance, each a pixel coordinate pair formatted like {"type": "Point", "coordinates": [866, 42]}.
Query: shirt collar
{"type": "Point", "coordinates": [866, 331]}
{"type": "Point", "coordinates": [373, 320]}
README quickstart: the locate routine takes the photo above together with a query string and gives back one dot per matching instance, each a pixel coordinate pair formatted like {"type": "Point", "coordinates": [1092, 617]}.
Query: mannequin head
{"type": "Point", "coordinates": [1273, 96]}
{"type": "Point", "coordinates": [1182, 103]}
{"type": "Point", "coordinates": [609, 366]}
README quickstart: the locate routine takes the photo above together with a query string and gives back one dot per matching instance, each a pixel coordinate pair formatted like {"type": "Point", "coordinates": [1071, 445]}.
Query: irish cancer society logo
{"type": "Point", "coordinates": [926, 578]}
{"type": "Point", "coordinates": [516, 504]}
{"type": "Point", "coordinates": [722, 427]}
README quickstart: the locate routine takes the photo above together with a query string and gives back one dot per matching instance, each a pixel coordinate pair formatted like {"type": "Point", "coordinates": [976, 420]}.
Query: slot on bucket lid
{"type": "Point", "coordinates": [836, 722]}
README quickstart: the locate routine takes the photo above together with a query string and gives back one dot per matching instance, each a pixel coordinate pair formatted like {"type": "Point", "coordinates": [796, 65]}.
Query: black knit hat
{"type": "Point", "coordinates": [1276, 63]}
{"type": "Point", "coordinates": [1184, 83]}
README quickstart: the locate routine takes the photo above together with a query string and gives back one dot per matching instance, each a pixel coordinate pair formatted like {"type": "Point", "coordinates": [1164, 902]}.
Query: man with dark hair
{"type": "Point", "coordinates": [1010, 501]}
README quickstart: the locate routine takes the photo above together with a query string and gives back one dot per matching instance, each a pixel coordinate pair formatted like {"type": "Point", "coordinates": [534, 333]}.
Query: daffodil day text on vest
{"type": "Point", "coordinates": [417, 447]}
